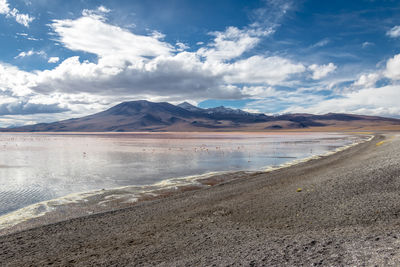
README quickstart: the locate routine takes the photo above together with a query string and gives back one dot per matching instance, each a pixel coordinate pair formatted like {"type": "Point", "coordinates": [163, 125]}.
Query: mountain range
{"type": "Point", "coordinates": [160, 117]}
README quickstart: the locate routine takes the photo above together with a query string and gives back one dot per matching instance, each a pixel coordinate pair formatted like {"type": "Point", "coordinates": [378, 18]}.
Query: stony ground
{"type": "Point", "coordinates": [347, 213]}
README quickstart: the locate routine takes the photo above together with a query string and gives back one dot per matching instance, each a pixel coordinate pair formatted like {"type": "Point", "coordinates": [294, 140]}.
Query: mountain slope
{"type": "Point", "coordinates": [190, 107]}
{"type": "Point", "coordinates": [148, 116]}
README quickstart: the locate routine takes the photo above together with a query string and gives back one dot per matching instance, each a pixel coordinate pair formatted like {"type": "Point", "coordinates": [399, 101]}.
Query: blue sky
{"type": "Point", "coordinates": [62, 59]}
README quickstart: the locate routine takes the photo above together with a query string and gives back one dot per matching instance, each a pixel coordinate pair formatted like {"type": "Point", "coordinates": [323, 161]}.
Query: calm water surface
{"type": "Point", "coordinates": [38, 167]}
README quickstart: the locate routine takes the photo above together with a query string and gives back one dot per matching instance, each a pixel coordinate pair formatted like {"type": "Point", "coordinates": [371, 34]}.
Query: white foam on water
{"type": "Point", "coordinates": [41, 208]}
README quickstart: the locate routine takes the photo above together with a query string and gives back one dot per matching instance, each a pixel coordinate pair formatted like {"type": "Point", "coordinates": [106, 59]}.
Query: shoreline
{"type": "Point", "coordinates": [346, 213]}
{"type": "Point", "coordinates": [86, 203]}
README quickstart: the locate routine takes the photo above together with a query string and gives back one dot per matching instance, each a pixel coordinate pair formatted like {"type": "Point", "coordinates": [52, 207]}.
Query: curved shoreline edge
{"type": "Point", "coordinates": [122, 197]}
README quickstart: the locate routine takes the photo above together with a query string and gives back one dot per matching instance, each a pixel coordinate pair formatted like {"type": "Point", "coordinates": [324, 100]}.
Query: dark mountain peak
{"type": "Point", "coordinates": [129, 108]}
{"type": "Point", "coordinates": [134, 102]}
{"type": "Point", "coordinates": [186, 105]}
{"type": "Point", "coordinates": [144, 107]}
{"type": "Point", "coordinates": [190, 107]}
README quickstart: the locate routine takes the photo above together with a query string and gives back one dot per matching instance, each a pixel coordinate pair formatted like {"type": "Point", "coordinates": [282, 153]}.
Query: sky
{"type": "Point", "coordinates": [65, 59]}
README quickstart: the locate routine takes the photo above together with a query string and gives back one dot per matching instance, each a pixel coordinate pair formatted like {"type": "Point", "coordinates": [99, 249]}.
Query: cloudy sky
{"type": "Point", "coordinates": [63, 59]}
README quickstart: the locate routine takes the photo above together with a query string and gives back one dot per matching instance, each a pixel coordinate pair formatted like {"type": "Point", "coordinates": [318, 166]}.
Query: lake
{"type": "Point", "coordinates": [40, 167]}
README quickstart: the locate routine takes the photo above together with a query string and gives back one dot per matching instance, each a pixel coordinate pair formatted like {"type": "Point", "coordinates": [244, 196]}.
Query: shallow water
{"type": "Point", "coordinates": [39, 167]}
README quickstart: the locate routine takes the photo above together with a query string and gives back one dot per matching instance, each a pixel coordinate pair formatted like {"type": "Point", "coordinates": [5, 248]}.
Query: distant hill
{"type": "Point", "coordinates": [148, 116]}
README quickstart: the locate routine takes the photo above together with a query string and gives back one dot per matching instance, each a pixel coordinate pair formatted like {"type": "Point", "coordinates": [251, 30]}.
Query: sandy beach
{"type": "Point", "coordinates": [343, 209]}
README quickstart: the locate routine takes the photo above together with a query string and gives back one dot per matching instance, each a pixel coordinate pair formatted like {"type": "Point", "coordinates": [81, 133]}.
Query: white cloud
{"type": "Point", "coordinates": [23, 19]}
{"type": "Point", "coordinates": [322, 43]}
{"type": "Point", "coordinates": [258, 70]}
{"type": "Point", "coordinates": [394, 32]}
{"type": "Point", "coordinates": [157, 35]}
{"type": "Point", "coordinates": [14, 81]}
{"type": "Point", "coordinates": [53, 60]}
{"type": "Point", "coordinates": [181, 46]}
{"type": "Point", "coordinates": [367, 80]}
{"type": "Point", "coordinates": [381, 101]}
{"type": "Point", "coordinates": [367, 44]}
{"type": "Point", "coordinates": [99, 12]}
{"type": "Point", "coordinates": [272, 12]}
{"type": "Point", "coordinates": [393, 68]}
{"type": "Point", "coordinates": [321, 71]}
{"type": "Point", "coordinates": [31, 53]}
{"type": "Point", "coordinates": [182, 75]}
{"type": "Point", "coordinates": [103, 9]}
{"type": "Point", "coordinates": [4, 8]}
{"type": "Point", "coordinates": [145, 65]}
{"type": "Point", "coordinates": [232, 43]}
{"type": "Point", "coordinates": [93, 35]}
{"type": "Point", "coordinates": [259, 91]}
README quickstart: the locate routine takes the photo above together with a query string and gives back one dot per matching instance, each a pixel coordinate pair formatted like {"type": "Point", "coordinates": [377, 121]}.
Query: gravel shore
{"type": "Point", "coordinates": [343, 209]}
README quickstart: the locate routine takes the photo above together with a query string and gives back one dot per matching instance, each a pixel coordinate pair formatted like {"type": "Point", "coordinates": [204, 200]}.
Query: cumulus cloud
{"type": "Point", "coordinates": [14, 81]}
{"type": "Point", "coordinates": [394, 32]}
{"type": "Point", "coordinates": [92, 34]}
{"type": "Point", "coordinates": [321, 71]}
{"type": "Point", "coordinates": [53, 60]}
{"type": "Point", "coordinates": [4, 8]}
{"type": "Point", "coordinates": [147, 66]}
{"type": "Point", "coordinates": [258, 69]}
{"type": "Point", "coordinates": [103, 9]}
{"type": "Point", "coordinates": [232, 43]}
{"type": "Point", "coordinates": [393, 68]}
{"type": "Point", "coordinates": [23, 19]}
{"type": "Point", "coordinates": [182, 74]}
{"type": "Point", "coordinates": [181, 46]}
{"type": "Point", "coordinates": [367, 80]}
{"type": "Point", "coordinates": [381, 101]}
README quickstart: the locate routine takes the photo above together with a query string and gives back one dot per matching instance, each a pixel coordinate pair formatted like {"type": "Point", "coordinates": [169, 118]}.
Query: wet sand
{"type": "Point", "coordinates": [343, 209]}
